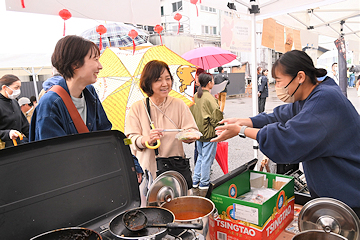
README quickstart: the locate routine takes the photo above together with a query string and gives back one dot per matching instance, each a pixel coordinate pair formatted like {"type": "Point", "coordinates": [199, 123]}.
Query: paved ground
{"type": "Point", "coordinates": [241, 150]}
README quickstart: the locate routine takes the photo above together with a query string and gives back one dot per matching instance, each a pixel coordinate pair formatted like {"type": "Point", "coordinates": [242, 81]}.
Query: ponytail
{"type": "Point", "coordinates": [204, 79]}
{"type": "Point", "coordinates": [199, 92]}
{"type": "Point", "coordinates": [320, 72]}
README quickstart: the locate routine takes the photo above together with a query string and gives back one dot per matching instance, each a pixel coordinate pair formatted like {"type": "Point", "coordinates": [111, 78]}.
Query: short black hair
{"type": "Point", "coordinates": [220, 69]}
{"type": "Point", "coordinates": [32, 99]}
{"type": "Point", "coordinates": [70, 52]}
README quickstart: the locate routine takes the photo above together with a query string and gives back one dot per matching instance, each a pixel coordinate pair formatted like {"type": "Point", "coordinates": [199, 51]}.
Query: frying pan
{"type": "Point", "coordinates": [71, 233]}
{"type": "Point", "coordinates": [154, 215]}
{"type": "Point", "coordinates": [136, 220]}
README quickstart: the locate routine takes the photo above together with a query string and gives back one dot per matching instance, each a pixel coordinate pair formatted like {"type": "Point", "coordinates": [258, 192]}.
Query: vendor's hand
{"type": "Point", "coordinates": [225, 132]}
{"type": "Point", "coordinates": [259, 94]}
{"type": "Point", "coordinates": [229, 121]}
{"type": "Point", "coordinates": [216, 96]}
{"type": "Point", "coordinates": [14, 134]}
{"type": "Point", "coordinates": [237, 121]}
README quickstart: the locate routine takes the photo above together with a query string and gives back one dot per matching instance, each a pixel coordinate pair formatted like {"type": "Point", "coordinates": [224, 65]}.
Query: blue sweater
{"type": "Point", "coordinates": [323, 132]}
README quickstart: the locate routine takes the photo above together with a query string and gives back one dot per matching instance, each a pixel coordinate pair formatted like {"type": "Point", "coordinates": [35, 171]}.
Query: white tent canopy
{"type": "Point", "coordinates": [21, 60]}
{"type": "Point", "coordinates": [146, 12]}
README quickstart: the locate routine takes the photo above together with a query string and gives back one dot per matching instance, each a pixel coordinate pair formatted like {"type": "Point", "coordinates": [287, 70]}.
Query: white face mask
{"type": "Point", "coordinates": [283, 93]}
{"type": "Point", "coordinates": [15, 93]}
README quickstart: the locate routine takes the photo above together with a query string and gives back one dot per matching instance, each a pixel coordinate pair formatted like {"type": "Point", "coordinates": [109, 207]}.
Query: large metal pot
{"type": "Point", "coordinates": [78, 233]}
{"type": "Point", "coordinates": [192, 209]}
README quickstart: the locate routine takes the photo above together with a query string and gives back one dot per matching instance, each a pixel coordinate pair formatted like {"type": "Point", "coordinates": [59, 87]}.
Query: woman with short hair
{"type": "Point", "coordinates": [13, 122]}
{"type": "Point", "coordinates": [77, 60]}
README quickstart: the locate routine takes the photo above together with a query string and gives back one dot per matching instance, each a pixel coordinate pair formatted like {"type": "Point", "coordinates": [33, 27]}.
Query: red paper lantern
{"type": "Point", "coordinates": [158, 28]}
{"type": "Point", "coordinates": [101, 29]}
{"type": "Point", "coordinates": [194, 2]}
{"type": "Point", "coordinates": [64, 14]}
{"type": "Point", "coordinates": [133, 34]}
{"type": "Point", "coordinates": [178, 17]}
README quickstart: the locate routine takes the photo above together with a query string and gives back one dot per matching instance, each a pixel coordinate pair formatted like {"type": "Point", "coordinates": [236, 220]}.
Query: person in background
{"type": "Point", "coordinates": [259, 72]}
{"type": "Point", "coordinates": [222, 95]}
{"type": "Point", "coordinates": [197, 84]}
{"type": "Point", "coordinates": [263, 90]}
{"type": "Point", "coordinates": [26, 107]}
{"type": "Point", "coordinates": [351, 73]}
{"type": "Point", "coordinates": [33, 101]}
{"type": "Point", "coordinates": [54, 80]}
{"type": "Point", "coordinates": [334, 73]}
{"type": "Point", "coordinates": [318, 127]}
{"type": "Point", "coordinates": [197, 73]}
{"type": "Point", "coordinates": [357, 84]}
{"type": "Point", "coordinates": [207, 115]}
{"type": "Point", "coordinates": [13, 122]}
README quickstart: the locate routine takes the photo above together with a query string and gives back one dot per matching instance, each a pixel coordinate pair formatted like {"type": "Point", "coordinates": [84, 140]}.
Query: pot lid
{"type": "Point", "coordinates": [167, 186]}
{"type": "Point", "coordinates": [330, 215]}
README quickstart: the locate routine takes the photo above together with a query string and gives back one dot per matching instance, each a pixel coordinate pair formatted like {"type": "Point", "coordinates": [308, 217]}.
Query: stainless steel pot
{"type": "Point", "coordinates": [318, 235]}
{"type": "Point", "coordinates": [192, 209]}
{"type": "Point", "coordinates": [327, 218]}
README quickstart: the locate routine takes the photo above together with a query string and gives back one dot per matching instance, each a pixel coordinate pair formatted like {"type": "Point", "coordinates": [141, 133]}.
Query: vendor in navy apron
{"type": "Point", "coordinates": [318, 127]}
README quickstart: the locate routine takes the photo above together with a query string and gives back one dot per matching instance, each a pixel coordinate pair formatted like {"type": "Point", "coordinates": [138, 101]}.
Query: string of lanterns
{"type": "Point", "coordinates": [101, 29]}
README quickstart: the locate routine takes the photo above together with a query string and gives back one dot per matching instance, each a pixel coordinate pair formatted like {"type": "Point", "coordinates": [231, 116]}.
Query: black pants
{"type": "Point", "coordinates": [262, 104]}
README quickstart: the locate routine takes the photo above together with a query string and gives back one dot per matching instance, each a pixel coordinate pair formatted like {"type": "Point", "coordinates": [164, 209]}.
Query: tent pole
{"type": "Point", "coordinates": [254, 73]}
{"type": "Point", "coordinates": [35, 85]}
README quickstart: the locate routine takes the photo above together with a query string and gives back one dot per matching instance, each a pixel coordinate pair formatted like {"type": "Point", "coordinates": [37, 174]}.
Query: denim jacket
{"type": "Point", "coordinates": [52, 119]}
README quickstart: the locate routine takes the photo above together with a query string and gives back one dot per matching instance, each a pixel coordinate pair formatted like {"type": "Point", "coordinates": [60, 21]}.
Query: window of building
{"type": "Point", "coordinates": [177, 6]}
{"type": "Point", "coordinates": [207, 9]}
{"type": "Point", "coordinates": [175, 28]}
{"type": "Point", "coordinates": [211, 30]}
{"type": "Point", "coordinates": [162, 10]}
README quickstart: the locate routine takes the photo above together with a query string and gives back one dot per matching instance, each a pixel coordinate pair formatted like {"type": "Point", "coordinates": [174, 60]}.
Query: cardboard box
{"type": "Point", "coordinates": [236, 218]}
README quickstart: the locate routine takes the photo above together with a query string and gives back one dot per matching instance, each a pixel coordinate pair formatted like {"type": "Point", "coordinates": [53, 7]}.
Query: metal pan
{"type": "Point", "coordinates": [155, 215]}
{"type": "Point", "coordinates": [71, 233]}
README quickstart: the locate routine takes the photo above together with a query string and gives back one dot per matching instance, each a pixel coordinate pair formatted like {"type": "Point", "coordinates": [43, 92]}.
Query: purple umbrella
{"type": "Point", "coordinates": [208, 57]}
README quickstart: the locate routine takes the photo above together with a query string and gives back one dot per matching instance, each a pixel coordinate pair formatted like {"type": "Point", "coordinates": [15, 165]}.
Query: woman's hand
{"type": "Point", "coordinates": [155, 134]}
{"type": "Point", "coordinates": [14, 134]}
{"type": "Point", "coordinates": [225, 132]}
